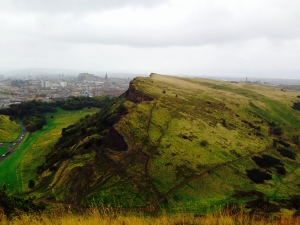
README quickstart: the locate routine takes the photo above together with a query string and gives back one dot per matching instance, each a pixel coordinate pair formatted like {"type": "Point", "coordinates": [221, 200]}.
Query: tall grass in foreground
{"type": "Point", "coordinates": [110, 218]}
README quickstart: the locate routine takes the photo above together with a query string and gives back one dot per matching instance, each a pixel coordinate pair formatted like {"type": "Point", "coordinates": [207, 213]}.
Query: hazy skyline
{"type": "Point", "coordinates": [229, 38]}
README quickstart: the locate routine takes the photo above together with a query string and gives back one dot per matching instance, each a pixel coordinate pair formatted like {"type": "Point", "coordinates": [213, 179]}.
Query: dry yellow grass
{"type": "Point", "coordinates": [109, 218]}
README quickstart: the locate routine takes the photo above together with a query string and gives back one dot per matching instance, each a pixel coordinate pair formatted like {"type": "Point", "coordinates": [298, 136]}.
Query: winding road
{"type": "Point", "coordinates": [11, 146]}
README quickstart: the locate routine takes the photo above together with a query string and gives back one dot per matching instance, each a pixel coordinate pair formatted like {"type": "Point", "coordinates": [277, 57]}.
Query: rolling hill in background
{"type": "Point", "coordinates": [179, 143]}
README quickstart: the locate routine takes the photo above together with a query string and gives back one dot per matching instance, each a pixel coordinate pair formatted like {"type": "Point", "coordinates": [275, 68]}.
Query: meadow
{"type": "Point", "coordinates": [20, 167]}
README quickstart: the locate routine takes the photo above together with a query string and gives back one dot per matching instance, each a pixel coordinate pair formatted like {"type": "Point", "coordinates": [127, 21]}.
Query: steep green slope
{"type": "Point", "coordinates": [19, 168]}
{"type": "Point", "coordinates": [179, 142]}
{"type": "Point", "coordinates": [9, 130]}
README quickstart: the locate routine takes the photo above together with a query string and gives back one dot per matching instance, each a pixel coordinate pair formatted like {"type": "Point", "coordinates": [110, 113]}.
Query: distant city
{"type": "Point", "coordinates": [49, 88]}
{"type": "Point", "coordinates": [19, 88]}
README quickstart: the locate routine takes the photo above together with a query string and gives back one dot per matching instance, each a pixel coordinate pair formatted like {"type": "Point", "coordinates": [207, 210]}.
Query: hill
{"type": "Point", "coordinates": [9, 130]}
{"type": "Point", "coordinates": [18, 169]}
{"type": "Point", "coordinates": [180, 143]}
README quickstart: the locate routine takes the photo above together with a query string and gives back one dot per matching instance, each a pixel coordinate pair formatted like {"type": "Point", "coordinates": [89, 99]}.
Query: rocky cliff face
{"type": "Point", "coordinates": [117, 140]}
{"type": "Point", "coordinates": [136, 96]}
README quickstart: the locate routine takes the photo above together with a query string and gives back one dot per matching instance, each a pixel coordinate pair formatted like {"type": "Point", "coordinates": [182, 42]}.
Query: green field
{"type": "Point", "coordinates": [21, 166]}
{"type": "Point", "coordinates": [9, 130]}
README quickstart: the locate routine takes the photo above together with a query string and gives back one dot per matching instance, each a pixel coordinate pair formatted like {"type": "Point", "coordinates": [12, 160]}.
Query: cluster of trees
{"type": "Point", "coordinates": [34, 122]}
{"type": "Point", "coordinates": [20, 111]}
{"type": "Point", "coordinates": [76, 103]}
{"type": "Point", "coordinates": [12, 205]}
{"type": "Point", "coordinates": [31, 112]}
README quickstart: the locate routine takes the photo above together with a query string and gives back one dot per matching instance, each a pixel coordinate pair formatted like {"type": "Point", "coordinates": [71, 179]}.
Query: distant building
{"type": "Point", "coordinates": [35, 82]}
{"type": "Point", "coordinates": [16, 100]}
{"type": "Point", "coordinates": [45, 84]}
{"type": "Point", "coordinates": [63, 84]}
{"type": "Point", "coordinates": [17, 83]}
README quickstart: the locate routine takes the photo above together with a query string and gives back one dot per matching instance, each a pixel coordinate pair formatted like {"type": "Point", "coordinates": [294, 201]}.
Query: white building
{"type": "Point", "coordinates": [45, 84]}
{"type": "Point", "coordinates": [63, 84]}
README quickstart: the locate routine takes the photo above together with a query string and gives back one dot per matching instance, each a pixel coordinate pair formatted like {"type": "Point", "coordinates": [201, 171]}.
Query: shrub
{"type": "Point", "coordinates": [248, 194]}
{"type": "Point", "coordinates": [204, 143]}
{"type": "Point", "coordinates": [296, 214]}
{"type": "Point", "coordinates": [296, 106]}
{"type": "Point", "coordinates": [296, 139]}
{"type": "Point", "coordinates": [283, 143]}
{"type": "Point", "coordinates": [286, 153]}
{"type": "Point", "coordinates": [258, 176]}
{"type": "Point", "coordinates": [295, 202]}
{"type": "Point", "coordinates": [281, 170]}
{"type": "Point", "coordinates": [261, 206]}
{"type": "Point", "coordinates": [277, 131]}
{"type": "Point", "coordinates": [266, 161]}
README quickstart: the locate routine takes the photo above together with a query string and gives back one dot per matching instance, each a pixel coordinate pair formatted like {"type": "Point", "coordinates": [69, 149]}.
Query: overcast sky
{"type": "Point", "coordinates": [195, 37]}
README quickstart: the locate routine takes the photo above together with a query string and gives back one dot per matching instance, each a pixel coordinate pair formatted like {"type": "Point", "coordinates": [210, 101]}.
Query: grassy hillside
{"type": "Point", "coordinates": [21, 166]}
{"type": "Point", "coordinates": [180, 143]}
{"type": "Point", "coordinates": [9, 130]}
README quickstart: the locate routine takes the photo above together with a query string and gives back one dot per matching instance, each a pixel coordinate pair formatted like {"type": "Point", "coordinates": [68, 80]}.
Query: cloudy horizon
{"type": "Point", "coordinates": [229, 38]}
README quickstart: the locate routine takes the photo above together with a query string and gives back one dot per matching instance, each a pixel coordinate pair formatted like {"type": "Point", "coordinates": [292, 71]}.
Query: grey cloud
{"type": "Point", "coordinates": [79, 6]}
{"type": "Point", "coordinates": [186, 35]}
{"type": "Point", "coordinates": [212, 25]}
{"type": "Point", "coordinates": [210, 22]}
{"type": "Point", "coordinates": [190, 33]}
